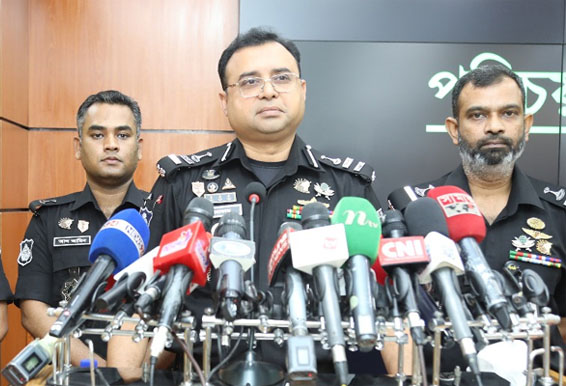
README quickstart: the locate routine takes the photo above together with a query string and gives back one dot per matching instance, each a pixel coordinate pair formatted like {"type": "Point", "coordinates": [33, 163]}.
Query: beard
{"type": "Point", "coordinates": [490, 164]}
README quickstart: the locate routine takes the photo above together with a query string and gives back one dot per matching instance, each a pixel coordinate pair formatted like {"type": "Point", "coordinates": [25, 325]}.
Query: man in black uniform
{"type": "Point", "coordinates": [54, 252]}
{"type": "Point", "coordinates": [6, 298]}
{"type": "Point", "coordinates": [522, 214]}
{"type": "Point", "coordinates": [263, 97]}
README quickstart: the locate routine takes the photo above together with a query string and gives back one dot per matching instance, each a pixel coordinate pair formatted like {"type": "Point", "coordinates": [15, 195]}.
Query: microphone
{"type": "Point", "coordinates": [34, 357]}
{"type": "Point", "coordinates": [397, 253]}
{"type": "Point", "coordinates": [425, 217]}
{"type": "Point", "coordinates": [280, 258]}
{"type": "Point", "coordinates": [318, 250]}
{"type": "Point", "coordinates": [151, 292]}
{"type": "Point", "coordinates": [301, 357]}
{"type": "Point", "coordinates": [148, 264]}
{"type": "Point", "coordinates": [231, 255]}
{"type": "Point", "coordinates": [466, 226]}
{"type": "Point", "coordinates": [363, 232]}
{"type": "Point", "coordinates": [255, 192]}
{"type": "Point", "coordinates": [126, 285]}
{"type": "Point", "coordinates": [120, 241]}
{"type": "Point", "coordinates": [400, 198]}
{"type": "Point", "coordinates": [183, 256]}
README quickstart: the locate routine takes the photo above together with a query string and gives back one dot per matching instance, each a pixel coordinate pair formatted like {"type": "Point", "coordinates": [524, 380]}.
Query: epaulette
{"type": "Point", "coordinates": [550, 193]}
{"type": "Point", "coordinates": [348, 164]}
{"type": "Point", "coordinates": [34, 206]}
{"type": "Point", "coordinates": [171, 164]}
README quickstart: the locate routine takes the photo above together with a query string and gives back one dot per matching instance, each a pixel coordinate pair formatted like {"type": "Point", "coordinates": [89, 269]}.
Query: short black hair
{"type": "Point", "coordinates": [483, 76]}
{"type": "Point", "coordinates": [111, 97]}
{"type": "Point", "coordinates": [254, 37]}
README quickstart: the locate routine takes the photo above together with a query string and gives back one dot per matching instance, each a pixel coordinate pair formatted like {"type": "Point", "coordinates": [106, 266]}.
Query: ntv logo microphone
{"type": "Point", "coordinates": [359, 217]}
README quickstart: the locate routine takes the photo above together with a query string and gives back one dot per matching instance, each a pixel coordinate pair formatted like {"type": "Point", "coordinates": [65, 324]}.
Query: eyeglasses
{"type": "Point", "coordinates": [253, 86]}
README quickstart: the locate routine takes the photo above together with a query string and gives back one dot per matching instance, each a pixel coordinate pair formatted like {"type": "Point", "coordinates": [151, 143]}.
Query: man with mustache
{"type": "Point", "coordinates": [54, 252]}
{"type": "Point", "coordinates": [263, 96]}
{"type": "Point", "coordinates": [491, 128]}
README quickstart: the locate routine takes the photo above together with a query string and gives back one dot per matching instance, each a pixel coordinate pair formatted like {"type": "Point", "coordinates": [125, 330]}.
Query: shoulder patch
{"type": "Point", "coordinates": [551, 193]}
{"type": "Point", "coordinates": [348, 164]}
{"type": "Point", "coordinates": [169, 165]}
{"type": "Point", "coordinates": [34, 206]}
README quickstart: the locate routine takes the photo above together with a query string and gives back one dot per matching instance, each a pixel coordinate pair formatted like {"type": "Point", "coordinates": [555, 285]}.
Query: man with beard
{"type": "Point", "coordinates": [491, 128]}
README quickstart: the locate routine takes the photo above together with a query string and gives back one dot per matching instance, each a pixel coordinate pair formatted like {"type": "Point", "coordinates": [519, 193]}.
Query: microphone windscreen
{"type": "Point", "coordinates": [199, 209]}
{"type": "Point", "coordinates": [256, 188]}
{"type": "Point", "coordinates": [424, 216]}
{"type": "Point", "coordinates": [123, 237]}
{"type": "Point", "coordinates": [231, 223]}
{"type": "Point", "coordinates": [393, 223]}
{"type": "Point", "coordinates": [362, 226]}
{"type": "Point", "coordinates": [462, 215]}
{"type": "Point", "coordinates": [400, 198]}
{"type": "Point", "coordinates": [314, 215]}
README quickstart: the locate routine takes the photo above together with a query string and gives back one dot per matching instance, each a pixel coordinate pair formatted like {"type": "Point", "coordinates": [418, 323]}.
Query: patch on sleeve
{"type": "Point", "coordinates": [25, 256]}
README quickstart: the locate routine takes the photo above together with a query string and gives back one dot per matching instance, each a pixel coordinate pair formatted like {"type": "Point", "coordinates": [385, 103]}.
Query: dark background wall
{"type": "Point", "coordinates": [368, 66]}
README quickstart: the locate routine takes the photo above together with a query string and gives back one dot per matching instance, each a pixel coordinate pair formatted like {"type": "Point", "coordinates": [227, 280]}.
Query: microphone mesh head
{"type": "Point", "coordinates": [314, 215]}
{"type": "Point", "coordinates": [424, 216]}
{"type": "Point", "coordinates": [231, 223]}
{"type": "Point", "coordinates": [199, 209]}
{"type": "Point", "coordinates": [255, 188]}
{"type": "Point", "coordinates": [393, 223]}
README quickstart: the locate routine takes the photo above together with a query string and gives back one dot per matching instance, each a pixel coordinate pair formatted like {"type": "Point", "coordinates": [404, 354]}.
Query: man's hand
{"type": "Point", "coordinates": [37, 323]}
{"type": "Point", "coordinates": [3, 320]}
{"type": "Point", "coordinates": [562, 328]}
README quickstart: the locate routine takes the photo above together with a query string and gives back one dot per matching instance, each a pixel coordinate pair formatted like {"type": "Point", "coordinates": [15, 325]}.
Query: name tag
{"type": "Point", "coordinates": [220, 210]}
{"type": "Point", "coordinates": [71, 241]}
{"type": "Point", "coordinates": [221, 198]}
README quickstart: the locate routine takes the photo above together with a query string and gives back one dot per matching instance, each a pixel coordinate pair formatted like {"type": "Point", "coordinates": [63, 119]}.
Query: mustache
{"type": "Point", "coordinates": [495, 138]}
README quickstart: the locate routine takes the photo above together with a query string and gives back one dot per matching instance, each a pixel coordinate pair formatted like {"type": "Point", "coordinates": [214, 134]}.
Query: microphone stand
{"type": "Point", "coordinates": [252, 371]}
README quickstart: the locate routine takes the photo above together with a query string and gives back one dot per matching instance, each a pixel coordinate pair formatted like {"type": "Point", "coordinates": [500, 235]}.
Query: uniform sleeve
{"type": "Point", "coordinates": [5, 291]}
{"type": "Point", "coordinates": [167, 203]}
{"type": "Point", "coordinates": [35, 264]}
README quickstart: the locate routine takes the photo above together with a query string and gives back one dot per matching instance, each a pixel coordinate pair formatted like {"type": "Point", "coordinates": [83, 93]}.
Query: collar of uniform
{"type": "Point", "coordinates": [522, 190]}
{"type": "Point", "coordinates": [297, 156]}
{"type": "Point", "coordinates": [133, 196]}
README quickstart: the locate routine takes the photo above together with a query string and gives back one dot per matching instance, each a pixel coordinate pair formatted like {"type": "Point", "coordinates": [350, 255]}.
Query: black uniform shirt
{"type": "Point", "coordinates": [5, 291]}
{"type": "Point", "coordinates": [55, 248]}
{"type": "Point", "coordinates": [306, 175]}
{"type": "Point", "coordinates": [529, 199]}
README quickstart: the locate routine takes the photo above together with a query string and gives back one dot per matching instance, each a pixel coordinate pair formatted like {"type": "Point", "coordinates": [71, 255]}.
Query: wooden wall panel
{"type": "Point", "coordinates": [13, 229]}
{"type": "Point", "coordinates": [14, 60]}
{"type": "Point", "coordinates": [162, 53]}
{"type": "Point", "coordinates": [53, 169]}
{"type": "Point", "coordinates": [157, 145]}
{"type": "Point", "coordinates": [14, 166]}
{"type": "Point", "coordinates": [54, 53]}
